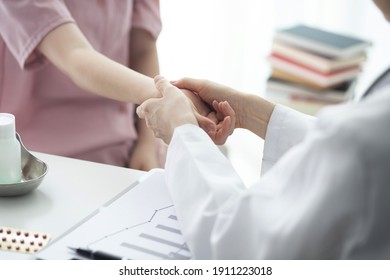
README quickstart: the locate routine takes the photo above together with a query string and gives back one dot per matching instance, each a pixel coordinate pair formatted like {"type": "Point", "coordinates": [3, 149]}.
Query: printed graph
{"type": "Point", "coordinates": [159, 237]}
{"type": "Point", "coordinates": [140, 223]}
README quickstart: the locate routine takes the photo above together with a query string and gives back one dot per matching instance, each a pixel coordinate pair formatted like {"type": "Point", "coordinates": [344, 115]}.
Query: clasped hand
{"type": "Point", "coordinates": [173, 109]}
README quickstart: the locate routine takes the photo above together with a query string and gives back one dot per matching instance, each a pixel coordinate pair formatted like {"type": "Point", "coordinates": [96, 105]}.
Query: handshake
{"type": "Point", "coordinates": [189, 101]}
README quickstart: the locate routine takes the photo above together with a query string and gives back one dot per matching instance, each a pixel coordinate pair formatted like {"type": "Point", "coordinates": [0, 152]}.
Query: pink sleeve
{"type": "Point", "coordinates": [146, 15]}
{"type": "Point", "coordinates": [24, 23]}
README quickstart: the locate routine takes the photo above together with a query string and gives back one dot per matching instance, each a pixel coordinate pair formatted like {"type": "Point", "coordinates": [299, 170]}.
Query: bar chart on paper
{"type": "Point", "coordinates": [139, 224]}
{"type": "Point", "coordinates": [159, 237]}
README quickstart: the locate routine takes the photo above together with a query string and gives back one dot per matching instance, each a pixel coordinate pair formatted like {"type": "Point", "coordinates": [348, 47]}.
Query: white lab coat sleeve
{"type": "Point", "coordinates": [310, 205]}
{"type": "Point", "coordinates": [286, 128]}
{"type": "Point", "coordinates": [203, 170]}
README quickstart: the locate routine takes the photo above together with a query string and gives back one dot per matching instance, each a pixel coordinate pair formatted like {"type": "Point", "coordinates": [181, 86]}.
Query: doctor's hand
{"type": "Point", "coordinates": [203, 92]}
{"type": "Point", "coordinates": [251, 112]}
{"type": "Point", "coordinates": [210, 92]}
{"type": "Point", "coordinates": [173, 109]}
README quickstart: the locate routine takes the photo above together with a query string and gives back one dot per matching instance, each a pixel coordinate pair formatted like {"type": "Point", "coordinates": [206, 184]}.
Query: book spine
{"type": "Point", "coordinates": [312, 74]}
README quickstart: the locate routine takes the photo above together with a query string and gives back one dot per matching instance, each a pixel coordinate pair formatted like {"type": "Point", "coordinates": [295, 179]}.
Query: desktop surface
{"type": "Point", "coordinates": [71, 190]}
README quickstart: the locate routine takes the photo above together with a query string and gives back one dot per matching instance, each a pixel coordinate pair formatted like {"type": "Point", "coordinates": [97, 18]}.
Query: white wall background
{"type": "Point", "coordinates": [227, 41]}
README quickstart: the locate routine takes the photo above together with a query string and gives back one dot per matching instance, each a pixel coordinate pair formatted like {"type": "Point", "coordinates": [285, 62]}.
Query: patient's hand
{"type": "Point", "coordinates": [173, 109]}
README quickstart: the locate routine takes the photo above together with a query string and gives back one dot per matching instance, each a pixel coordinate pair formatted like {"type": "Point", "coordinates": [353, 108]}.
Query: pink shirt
{"type": "Point", "coordinates": [52, 114]}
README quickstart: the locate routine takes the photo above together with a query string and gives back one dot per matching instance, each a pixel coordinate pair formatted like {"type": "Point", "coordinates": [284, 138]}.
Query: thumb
{"type": "Point", "coordinates": [190, 84]}
{"type": "Point", "coordinates": [162, 84]}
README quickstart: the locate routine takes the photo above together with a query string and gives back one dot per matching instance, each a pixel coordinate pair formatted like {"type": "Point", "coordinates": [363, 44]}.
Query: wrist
{"type": "Point", "coordinates": [150, 91]}
{"type": "Point", "coordinates": [254, 114]}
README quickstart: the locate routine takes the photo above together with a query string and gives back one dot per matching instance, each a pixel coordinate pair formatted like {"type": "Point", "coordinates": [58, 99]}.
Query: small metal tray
{"type": "Point", "coordinates": [33, 169]}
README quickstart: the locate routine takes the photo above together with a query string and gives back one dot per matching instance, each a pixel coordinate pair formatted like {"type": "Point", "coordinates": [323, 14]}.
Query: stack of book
{"type": "Point", "coordinates": [310, 64]}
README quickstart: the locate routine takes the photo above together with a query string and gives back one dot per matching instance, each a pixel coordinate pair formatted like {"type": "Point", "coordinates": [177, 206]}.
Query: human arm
{"type": "Point", "coordinates": [252, 112]}
{"type": "Point", "coordinates": [39, 30]}
{"type": "Point", "coordinates": [68, 49]}
{"type": "Point", "coordinates": [299, 210]}
{"type": "Point", "coordinates": [286, 128]}
{"type": "Point", "coordinates": [281, 127]}
{"type": "Point", "coordinates": [143, 59]}
{"type": "Point", "coordinates": [306, 207]}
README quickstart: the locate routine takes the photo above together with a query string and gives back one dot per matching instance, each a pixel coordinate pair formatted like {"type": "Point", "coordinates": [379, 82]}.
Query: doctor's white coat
{"type": "Point", "coordinates": [324, 194]}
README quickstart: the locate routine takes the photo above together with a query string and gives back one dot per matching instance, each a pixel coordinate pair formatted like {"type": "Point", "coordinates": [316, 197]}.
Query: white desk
{"type": "Point", "coordinates": [71, 190]}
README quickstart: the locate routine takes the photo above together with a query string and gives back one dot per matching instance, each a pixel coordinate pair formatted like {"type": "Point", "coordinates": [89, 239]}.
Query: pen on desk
{"type": "Point", "coordinates": [95, 255]}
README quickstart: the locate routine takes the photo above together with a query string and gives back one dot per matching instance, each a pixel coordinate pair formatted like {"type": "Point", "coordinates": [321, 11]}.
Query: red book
{"type": "Point", "coordinates": [315, 61]}
{"type": "Point", "coordinates": [313, 75]}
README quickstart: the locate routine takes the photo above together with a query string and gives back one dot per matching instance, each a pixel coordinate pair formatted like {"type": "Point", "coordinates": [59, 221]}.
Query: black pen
{"type": "Point", "coordinates": [95, 255]}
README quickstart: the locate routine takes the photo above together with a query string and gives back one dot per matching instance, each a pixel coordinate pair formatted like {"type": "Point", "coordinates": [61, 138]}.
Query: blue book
{"type": "Point", "coordinates": [318, 41]}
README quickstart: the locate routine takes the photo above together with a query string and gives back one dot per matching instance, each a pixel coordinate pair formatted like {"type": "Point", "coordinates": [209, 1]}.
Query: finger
{"type": "Point", "coordinates": [158, 78]}
{"type": "Point", "coordinates": [212, 136]}
{"type": "Point", "coordinates": [217, 132]}
{"type": "Point", "coordinates": [227, 110]}
{"type": "Point", "coordinates": [190, 84]}
{"type": "Point", "coordinates": [225, 129]}
{"type": "Point", "coordinates": [224, 109]}
{"type": "Point", "coordinates": [205, 123]}
{"type": "Point", "coordinates": [144, 109]}
{"type": "Point", "coordinates": [162, 84]}
{"type": "Point", "coordinates": [141, 111]}
{"type": "Point", "coordinates": [216, 105]}
{"type": "Point", "coordinates": [213, 117]}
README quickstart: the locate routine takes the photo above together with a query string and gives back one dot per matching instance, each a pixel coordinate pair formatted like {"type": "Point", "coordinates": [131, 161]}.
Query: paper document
{"type": "Point", "coordinates": [139, 224]}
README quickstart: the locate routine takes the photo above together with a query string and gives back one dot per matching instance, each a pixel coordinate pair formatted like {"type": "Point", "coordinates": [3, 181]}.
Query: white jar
{"type": "Point", "coordinates": [10, 154]}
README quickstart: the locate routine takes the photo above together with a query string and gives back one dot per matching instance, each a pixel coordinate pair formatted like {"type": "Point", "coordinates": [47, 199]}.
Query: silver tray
{"type": "Point", "coordinates": [33, 172]}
